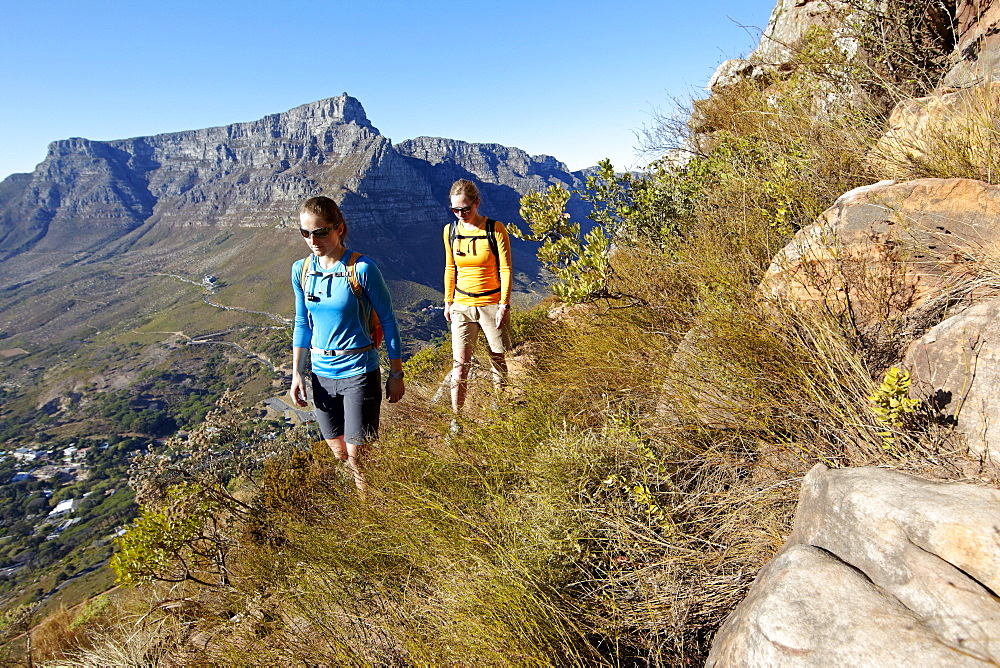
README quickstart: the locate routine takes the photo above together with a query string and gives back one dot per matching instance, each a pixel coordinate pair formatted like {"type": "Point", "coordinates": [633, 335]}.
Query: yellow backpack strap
{"type": "Point", "coordinates": [352, 275]}
{"type": "Point", "coordinates": [303, 273]}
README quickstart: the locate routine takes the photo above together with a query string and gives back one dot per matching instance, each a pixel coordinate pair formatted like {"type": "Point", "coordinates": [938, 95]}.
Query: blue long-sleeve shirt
{"type": "Point", "coordinates": [337, 320]}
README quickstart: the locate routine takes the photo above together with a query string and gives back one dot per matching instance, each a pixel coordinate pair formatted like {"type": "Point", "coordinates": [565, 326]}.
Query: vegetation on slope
{"type": "Point", "coordinates": [615, 503]}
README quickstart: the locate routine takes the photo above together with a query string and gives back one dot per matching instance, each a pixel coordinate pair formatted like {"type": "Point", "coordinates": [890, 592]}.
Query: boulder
{"type": "Point", "coordinates": [887, 249]}
{"type": "Point", "coordinates": [881, 568]}
{"type": "Point", "coordinates": [977, 52]}
{"type": "Point", "coordinates": [956, 369]}
{"type": "Point", "coordinates": [929, 128]}
{"type": "Point", "coordinates": [692, 390]}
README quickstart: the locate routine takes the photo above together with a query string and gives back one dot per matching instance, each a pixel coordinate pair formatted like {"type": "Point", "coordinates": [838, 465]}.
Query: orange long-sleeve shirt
{"type": "Point", "coordinates": [471, 266]}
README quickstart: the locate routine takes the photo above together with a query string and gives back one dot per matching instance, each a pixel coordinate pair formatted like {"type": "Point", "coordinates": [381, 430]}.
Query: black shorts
{"type": "Point", "coordinates": [348, 407]}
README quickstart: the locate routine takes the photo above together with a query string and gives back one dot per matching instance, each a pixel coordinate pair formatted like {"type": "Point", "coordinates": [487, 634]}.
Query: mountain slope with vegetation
{"type": "Point", "coordinates": [183, 238]}
{"type": "Point", "coordinates": [140, 276]}
{"type": "Point", "coordinates": [615, 503]}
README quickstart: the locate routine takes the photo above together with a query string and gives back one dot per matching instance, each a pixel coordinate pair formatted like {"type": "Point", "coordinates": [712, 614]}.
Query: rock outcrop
{"type": "Point", "coordinates": [972, 26]}
{"type": "Point", "coordinates": [790, 21]}
{"type": "Point", "coordinates": [846, 22]}
{"type": "Point", "coordinates": [956, 370]}
{"type": "Point", "coordinates": [886, 249]}
{"type": "Point", "coordinates": [881, 569]}
{"type": "Point", "coordinates": [241, 174]}
{"type": "Point", "coordinates": [977, 52]}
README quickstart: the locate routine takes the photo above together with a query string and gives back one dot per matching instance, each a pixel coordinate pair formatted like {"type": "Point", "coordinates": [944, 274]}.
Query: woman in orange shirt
{"type": "Point", "coordinates": [477, 286]}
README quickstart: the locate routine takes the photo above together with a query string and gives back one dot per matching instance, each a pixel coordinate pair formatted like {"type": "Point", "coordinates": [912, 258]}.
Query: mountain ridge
{"type": "Point", "coordinates": [93, 198]}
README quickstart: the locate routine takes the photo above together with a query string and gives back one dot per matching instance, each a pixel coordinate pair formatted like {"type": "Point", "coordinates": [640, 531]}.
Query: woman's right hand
{"type": "Point", "coordinates": [447, 311]}
{"type": "Point", "coordinates": [298, 391]}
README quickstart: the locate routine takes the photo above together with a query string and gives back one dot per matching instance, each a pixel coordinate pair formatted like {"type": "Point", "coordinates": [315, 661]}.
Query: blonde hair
{"type": "Point", "coordinates": [464, 187]}
{"type": "Point", "coordinates": [326, 210]}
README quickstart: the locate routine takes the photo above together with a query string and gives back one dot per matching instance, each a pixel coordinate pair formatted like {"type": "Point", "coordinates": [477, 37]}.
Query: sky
{"type": "Point", "coordinates": [577, 81]}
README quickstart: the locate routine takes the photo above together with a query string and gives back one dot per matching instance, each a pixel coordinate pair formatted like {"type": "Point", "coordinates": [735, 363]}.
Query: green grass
{"type": "Point", "coordinates": [407, 294]}
{"type": "Point", "coordinates": [77, 590]}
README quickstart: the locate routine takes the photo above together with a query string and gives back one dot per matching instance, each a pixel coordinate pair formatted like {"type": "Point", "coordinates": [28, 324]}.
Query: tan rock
{"type": "Point", "coordinates": [943, 131]}
{"type": "Point", "coordinates": [882, 568]}
{"type": "Point", "coordinates": [956, 369]}
{"type": "Point", "coordinates": [886, 249]}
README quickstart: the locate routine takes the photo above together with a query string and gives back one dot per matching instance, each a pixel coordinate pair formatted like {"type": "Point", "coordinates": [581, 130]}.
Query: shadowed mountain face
{"type": "Point", "coordinates": [100, 200]}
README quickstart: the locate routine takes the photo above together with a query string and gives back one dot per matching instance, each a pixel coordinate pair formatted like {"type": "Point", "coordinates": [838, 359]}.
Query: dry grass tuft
{"type": "Point", "coordinates": [951, 135]}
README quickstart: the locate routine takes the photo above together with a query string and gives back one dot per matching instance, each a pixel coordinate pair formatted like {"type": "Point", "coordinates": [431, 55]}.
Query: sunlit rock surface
{"type": "Point", "coordinates": [881, 569]}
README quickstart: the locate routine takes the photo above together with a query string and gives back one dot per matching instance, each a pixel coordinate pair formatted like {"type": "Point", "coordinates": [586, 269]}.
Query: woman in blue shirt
{"type": "Point", "coordinates": [331, 324]}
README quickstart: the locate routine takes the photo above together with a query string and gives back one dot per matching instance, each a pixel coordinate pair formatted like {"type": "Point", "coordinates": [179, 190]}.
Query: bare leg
{"type": "Point", "coordinates": [499, 366]}
{"type": "Point", "coordinates": [354, 451]}
{"type": "Point", "coordinates": [459, 378]}
{"type": "Point", "coordinates": [351, 454]}
{"type": "Point", "coordinates": [339, 447]}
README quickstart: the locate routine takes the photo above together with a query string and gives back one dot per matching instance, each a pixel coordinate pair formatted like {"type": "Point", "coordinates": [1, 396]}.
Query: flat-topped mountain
{"type": "Point", "coordinates": [96, 198]}
{"type": "Point", "coordinates": [103, 215]}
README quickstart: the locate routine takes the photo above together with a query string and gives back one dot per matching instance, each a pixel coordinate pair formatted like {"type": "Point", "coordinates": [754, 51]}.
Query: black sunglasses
{"type": "Point", "coordinates": [319, 233]}
{"type": "Point", "coordinates": [461, 209]}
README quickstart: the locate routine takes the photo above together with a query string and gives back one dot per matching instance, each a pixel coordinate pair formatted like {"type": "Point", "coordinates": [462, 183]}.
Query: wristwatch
{"type": "Point", "coordinates": [396, 375]}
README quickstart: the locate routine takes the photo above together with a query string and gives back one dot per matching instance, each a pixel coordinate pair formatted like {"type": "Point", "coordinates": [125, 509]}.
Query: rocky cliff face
{"type": "Point", "coordinates": [91, 198]}
{"type": "Point", "coordinates": [238, 174]}
{"type": "Point", "coordinates": [845, 21]}
{"type": "Point", "coordinates": [977, 55]}
{"type": "Point", "coordinates": [884, 568]}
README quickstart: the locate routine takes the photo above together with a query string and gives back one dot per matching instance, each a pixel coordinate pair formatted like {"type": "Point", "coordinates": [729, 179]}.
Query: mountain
{"type": "Point", "coordinates": [141, 278]}
{"type": "Point", "coordinates": [97, 199]}
{"type": "Point", "coordinates": [96, 219]}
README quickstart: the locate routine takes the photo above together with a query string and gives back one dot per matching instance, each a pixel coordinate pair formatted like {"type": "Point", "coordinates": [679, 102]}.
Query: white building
{"type": "Point", "coordinates": [64, 506]}
{"type": "Point", "coordinates": [27, 454]}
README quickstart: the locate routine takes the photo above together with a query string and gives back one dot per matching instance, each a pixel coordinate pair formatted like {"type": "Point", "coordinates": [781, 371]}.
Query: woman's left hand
{"type": "Point", "coordinates": [502, 314]}
{"type": "Point", "coordinates": [395, 388]}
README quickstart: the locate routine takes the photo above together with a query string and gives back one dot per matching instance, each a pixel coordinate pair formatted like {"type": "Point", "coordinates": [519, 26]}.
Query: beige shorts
{"type": "Point", "coordinates": [467, 321]}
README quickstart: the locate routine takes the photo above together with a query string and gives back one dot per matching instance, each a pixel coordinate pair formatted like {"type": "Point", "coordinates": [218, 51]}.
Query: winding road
{"type": "Point", "coordinates": [204, 339]}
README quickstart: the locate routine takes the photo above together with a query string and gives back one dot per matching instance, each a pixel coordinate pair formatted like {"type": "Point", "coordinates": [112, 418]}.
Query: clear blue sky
{"type": "Point", "coordinates": [573, 80]}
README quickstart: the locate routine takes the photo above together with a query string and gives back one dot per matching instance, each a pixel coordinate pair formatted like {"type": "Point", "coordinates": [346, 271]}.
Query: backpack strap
{"type": "Point", "coordinates": [478, 294]}
{"type": "Point", "coordinates": [452, 237]}
{"type": "Point", "coordinates": [302, 283]}
{"type": "Point", "coordinates": [359, 294]}
{"type": "Point", "coordinates": [367, 308]}
{"type": "Point", "coordinates": [352, 276]}
{"type": "Point", "coordinates": [491, 239]}
{"type": "Point", "coordinates": [304, 272]}
{"type": "Point", "coordinates": [349, 351]}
